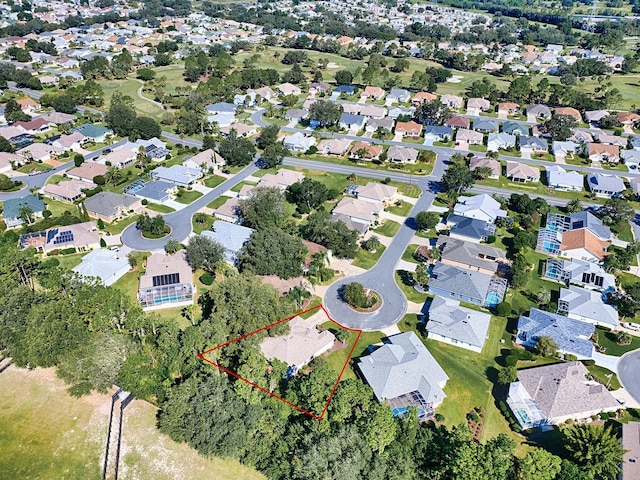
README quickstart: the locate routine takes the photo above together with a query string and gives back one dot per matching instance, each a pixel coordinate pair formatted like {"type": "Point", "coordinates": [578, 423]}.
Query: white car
{"type": "Point", "coordinates": [632, 326]}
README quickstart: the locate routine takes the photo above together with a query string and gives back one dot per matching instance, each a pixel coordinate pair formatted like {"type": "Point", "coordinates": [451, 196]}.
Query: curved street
{"type": "Point", "coordinates": [629, 373]}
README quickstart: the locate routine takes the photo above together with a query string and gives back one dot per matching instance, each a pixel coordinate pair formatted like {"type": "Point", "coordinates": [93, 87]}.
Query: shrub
{"type": "Point", "coordinates": [491, 239]}
{"type": "Point", "coordinates": [355, 296]}
{"type": "Point", "coordinates": [46, 213]}
{"type": "Point", "coordinates": [145, 201]}
{"type": "Point", "coordinates": [439, 417]}
{"type": "Point", "coordinates": [511, 360]}
{"type": "Point", "coordinates": [99, 180]}
{"type": "Point", "coordinates": [103, 244]}
{"type": "Point", "coordinates": [206, 278]}
{"type": "Point", "coordinates": [569, 357]}
{"type": "Point", "coordinates": [588, 363]}
{"type": "Point", "coordinates": [503, 309]}
{"type": "Point", "coordinates": [526, 355]}
{"type": "Point", "coordinates": [326, 274]}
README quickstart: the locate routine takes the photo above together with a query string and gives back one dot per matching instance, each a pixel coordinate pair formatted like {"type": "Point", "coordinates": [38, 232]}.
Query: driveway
{"type": "Point", "coordinates": [629, 373]}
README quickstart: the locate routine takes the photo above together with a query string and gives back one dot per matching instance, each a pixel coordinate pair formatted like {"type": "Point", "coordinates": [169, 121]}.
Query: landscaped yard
{"type": "Point", "coordinates": [188, 196]}
{"type": "Point", "coordinates": [201, 227]}
{"type": "Point", "coordinates": [118, 227]}
{"type": "Point", "coordinates": [608, 340]}
{"type": "Point", "coordinates": [602, 374]}
{"type": "Point", "coordinates": [157, 207]}
{"type": "Point", "coordinates": [407, 256]}
{"type": "Point", "coordinates": [365, 259]}
{"type": "Point", "coordinates": [213, 181]}
{"type": "Point", "coordinates": [217, 202]}
{"type": "Point", "coordinates": [388, 229]}
{"type": "Point", "coordinates": [403, 281]}
{"type": "Point", "coordinates": [469, 385]}
{"type": "Point", "coordinates": [400, 208]}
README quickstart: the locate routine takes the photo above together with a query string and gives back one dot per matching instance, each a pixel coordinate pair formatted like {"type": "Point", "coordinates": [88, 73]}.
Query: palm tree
{"type": "Point", "coordinates": [299, 294]}
{"type": "Point", "coordinates": [25, 213]}
{"type": "Point", "coordinates": [113, 175]}
{"type": "Point", "coordinates": [595, 448]}
{"type": "Point", "coordinates": [574, 206]}
{"type": "Point", "coordinates": [190, 313]}
{"type": "Point", "coordinates": [372, 244]}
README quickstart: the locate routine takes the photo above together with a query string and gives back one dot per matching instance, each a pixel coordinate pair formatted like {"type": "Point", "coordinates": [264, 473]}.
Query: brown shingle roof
{"type": "Point", "coordinates": [583, 238]}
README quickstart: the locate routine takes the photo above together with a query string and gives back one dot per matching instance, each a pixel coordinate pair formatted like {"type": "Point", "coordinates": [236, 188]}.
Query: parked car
{"type": "Point", "coordinates": [632, 326]}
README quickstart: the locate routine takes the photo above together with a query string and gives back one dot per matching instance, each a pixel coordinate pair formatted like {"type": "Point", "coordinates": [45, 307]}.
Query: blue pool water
{"type": "Point", "coordinates": [166, 299]}
{"type": "Point", "coordinates": [400, 411]}
{"type": "Point", "coordinates": [492, 299]}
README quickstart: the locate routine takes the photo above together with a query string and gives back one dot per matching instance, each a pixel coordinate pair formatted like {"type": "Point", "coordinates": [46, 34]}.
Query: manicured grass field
{"type": "Point", "coordinates": [365, 259]}
{"type": "Point", "coordinates": [156, 207]}
{"type": "Point", "coordinates": [388, 229]}
{"type": "Point", "coordinates": [407, 256]}
{"type": "Point", "coordinates": [402, 208]}
{"type": "Point", "coordinates": [188, 196]}
{"type": "Point", "coordinates": [601, 374]}
{"type": "Point", "coordinates": [213, 181]}
{"type": "Point", "coordinates": [129, 87]}
{"type": "Point", "coordinates": [402, 279]}
{"type": "Point", "coordinates": [217, 202]}
{"type": "Point", "coordinates": [608, 340]}
{"type": "Point", "coordinates": [201, 227]}
{"type": "Point", "coordinates": [118, 227]}
{"type": "Point", "coordinates": [70, 261]}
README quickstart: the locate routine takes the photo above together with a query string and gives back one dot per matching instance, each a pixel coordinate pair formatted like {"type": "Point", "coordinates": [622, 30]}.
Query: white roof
{"type": "Point", "coordinates": [108, 265]}
{"type": "Point", "coordinates": [482, 207]}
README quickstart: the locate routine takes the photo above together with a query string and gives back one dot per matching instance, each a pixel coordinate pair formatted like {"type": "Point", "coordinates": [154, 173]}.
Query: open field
{"type": "Point", "coordinates": [72, 443]}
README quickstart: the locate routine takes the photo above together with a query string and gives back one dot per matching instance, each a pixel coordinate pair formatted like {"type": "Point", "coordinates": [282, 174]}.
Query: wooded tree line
{"type": "Point", "coordinates": [95, 335]}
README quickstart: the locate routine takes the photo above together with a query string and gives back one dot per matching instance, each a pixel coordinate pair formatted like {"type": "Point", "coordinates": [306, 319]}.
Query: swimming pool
{"type": "Point", "coordinates": [492, 299]}
{"type": "Point", "coordinates": [401, 411]}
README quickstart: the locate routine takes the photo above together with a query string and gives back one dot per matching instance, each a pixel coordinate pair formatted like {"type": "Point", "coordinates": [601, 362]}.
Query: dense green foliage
{"type": "Point", "coordinates": [273, 252]}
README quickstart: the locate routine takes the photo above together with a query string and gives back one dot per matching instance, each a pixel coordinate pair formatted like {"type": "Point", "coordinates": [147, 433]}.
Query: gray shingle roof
{"type": "Point", "coordinates": [470, 227]}
{"type": "Point", "coordinates": [605, 183]}
{"type": "Point", "coordinates": [570, 335]}
{"type": "Point", "coordinates": [462, 281]}
{"type": "Point", "coordinates": [586, 220]}
{"type": "Point", "coordinates": [562, 390]}
{"type": "Point", "coordinates": [469, 253]}
{"type": "Point", "coordinates": [402, 366]}
{"type": "Point", "coordinates": [448, 319]}
{"type": "Point", "coordinates": [107, 203]}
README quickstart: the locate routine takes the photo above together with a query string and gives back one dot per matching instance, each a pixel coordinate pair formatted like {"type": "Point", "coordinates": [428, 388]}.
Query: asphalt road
{"type": "Point", "coordinates": [629, 373]}
{"type": "Point", "coordinates": [180, 221]}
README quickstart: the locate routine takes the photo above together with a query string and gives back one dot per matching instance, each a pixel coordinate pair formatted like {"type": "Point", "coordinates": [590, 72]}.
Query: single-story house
{"type": "Point", "coordinates": [39, 152]}
{"type": "Point", "coordinates": [282, 179]}
{"type": "Point", "coordinates": [562, 149]}
{"type": "Point", "coordinates": [451, 101]}
{"type": "Point", "coordinates": [538, 112]}
{"type": "Point", "coordinates": [569, 112]}
{"type": "Point", "coordinates": [500, 141]}
{"type": "Point", "coordinates": [359, 227]}
{"type": "Point", "coordinates": [208, 160]}
{"type": "Point", "coordinates": [583, 245]}
{"type": "Point", "coordinates": [358, 210]}
{"type": "Point", "coordinates": [473, 256]}
{"type": "Point", "coordinates": [303, 343]}
{"type": "Point", "coordinates": [515, 128]}
{"type": "Point", "coordinates": [579, 272]}
{"type": "Point", "coordinates": [571, 336]}
{"type": "Point", "coordinates": [438, 133]}
{"type": "Point", "coordinates": [222, 120]}
{"type": "Point", "coordinates": [108, 206]}
{"type": "Point", "coordinates": [288, 89]}
{"type": "Point", "coordinates": [240, 129]}
{"type": "Point", "coordinates": [532, 144]}
{"type": "Point", "coordinates": [466, 285]}
{"type": "Point", "coordinates": [107, 265]}
{"type": "Point", "coordinates": [376, 192]}
{"type": "Point", "coordinates": [476, 105]}
{"type": "Point", "coordinates": [581, 137]}
{"type": "Point", "coordinates": [471, 137]}
{"type": "Point", "coordinates": [73, 142]}
{"type": "Point", "coordinates": [298, 142]}
{"type": "Point", "coordinates": [9, 160]}
{"type": "Point", "coordinates": [385, 123]}
{"type": "Point", "coordinates": [178, 175]}
{"type": "Point", "coordinates": [220, 108]}
{"type": "Point", "coordinates": [265, 93]}
{"type": "Point", "coordinates": [455, 325]}
{"type": "Point", "coordinates": [14, 209]}
{"type": "Point", "coordinates": [398, 95]}
{"type": "Point", "coordinates": [319, 87]}
{"type": "Point", "coordinates": [95, 133]}
{"type": "Point", "coordinates": [508, 108]}
{"type": "Point", "coordinates": [349, 121]}
{"type": "Point", "coordinates": [296, 114]}
{"type": "Point", "coordinates": [334, 146]}
{"type": "Point", "coordinates": [422, 97]}
{"type": "Point", "coordinates": [482, 207]}
{"type": "Point", "coordinates": [121, 158]}
{"type": "Point", "coordinates": [409, 129]}
{"type": "Point", "coordinates": [587, 306]}
{"type": "Point", "coordinates": [404, 374]}
{"type": "Point", "coordinates": [469, 229]}
{"type": "Point", "coordinates": [485, 162]}
{"type": "Point", "coordinates": [553, 394]}
{"type": "Point", "coordinates": [631, 158]}
{"type": "Point", "coordinates": [34, 126]}
{"type": "Point", "coordinates": [231, 236]}
{"type": "Point", "coordinates": [372, 111]}
{"type": "Point", "coordinates": [605, 186]}
{"type": "Point", "coordinates": [560, 179]}
{"type": "Point", "coordinates": [167, 282]}
{"type": "Point", "coordinates": [485, 126]}
{"type": "Point", "coordinates": [67, 191]}
{"type": "Point", "coordinates": [594, 116]}
{"type": "Point", "coordinates": [376, 93]}
{"type": "Point", "coordinates": [600, 152]}
{"type": "Point", "coordinates": [366, 151]}
{"type": "Point", "coordinates": [402, 154]}
{"type": "Point", "coordinates": [457, 121]}
{"type": "Point", "coordinates": [87, 171]}
{"type": "Point", "coordinates": [229, 211]}
{"type": "Point", "coordinates": [521, 172]}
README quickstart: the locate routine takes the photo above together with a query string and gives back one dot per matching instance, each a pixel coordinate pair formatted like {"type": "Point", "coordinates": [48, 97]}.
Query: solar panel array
{"type": "Point", "coordinates": [51, 234]}
{"type": "Point", "coordinates": [169, 279]}
{"type": "Point", "coordinates": [64, 237]}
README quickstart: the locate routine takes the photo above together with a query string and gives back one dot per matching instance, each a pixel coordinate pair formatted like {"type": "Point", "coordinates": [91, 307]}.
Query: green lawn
{"type": "Point", "coordinates": [365, 259]}
{"type": "Point", "coordinates": [407, 256]}
{"type": "Point", "coordinates": [388, 229]}
{"type": "Point", "coordinates": [40, 167]}
{"type": "Point", "coordinates": [408, 190]}
{"type": "Point", "coordinates": [608, 340]}
{"type": "Point", "coordinates": [201, 227]}
{"type": "Point", "coordinates": [236, 188]}
{"type": "Point", "coordinates": [118, 227]}
{"type": "Point", "coordinates": [129, 87]}
{"type": "Point", "coordinates": [623, 231]}
{"type": "Point", "coordinates": [469, 385]}
{"type": "Point", "coordinates": [217, 202]}
{"type": "Point", "coordinates": [128, 283]}
{"type": "Point", "coordinates": [157, 207]}
{"type": "Point", "coordinates": [401, 208]}
{"type": "Point", "coordinates": [188, 196]}
{"type": "Point", "coordinates": [601, 374]}
{"type": "Point", "coordinates": [213, 181]}
{"type": "Point", "coordinates": [402, 279]}
{"type": "Point", "coordinates": [68, 262]}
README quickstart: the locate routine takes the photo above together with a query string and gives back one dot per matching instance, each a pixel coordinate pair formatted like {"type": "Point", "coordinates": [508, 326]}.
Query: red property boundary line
{"type": "Point", "coordinates": [201, 356]}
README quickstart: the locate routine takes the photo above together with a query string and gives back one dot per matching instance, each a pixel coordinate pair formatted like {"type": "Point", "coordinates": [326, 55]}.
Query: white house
{"type": "Point", "coordinates": [455, 325]}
